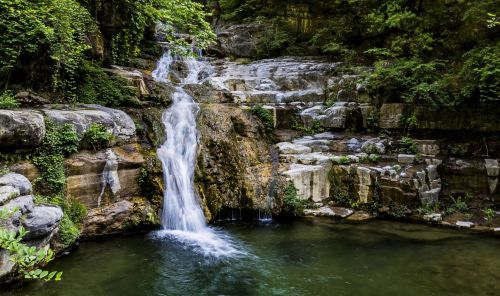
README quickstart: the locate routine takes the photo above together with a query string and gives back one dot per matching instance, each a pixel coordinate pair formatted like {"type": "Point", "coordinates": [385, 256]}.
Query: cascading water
{"type": "Point", "coordinates": [182, 216]}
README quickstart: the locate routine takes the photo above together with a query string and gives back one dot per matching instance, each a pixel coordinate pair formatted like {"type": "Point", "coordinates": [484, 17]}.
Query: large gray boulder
{"type": "Point", "coordinates": [238, 40]}
{"type": "Point", "coordinates": [21, 129]}
{"type": "Point", "coordinates": [117, 122]}
{"type": "Point", "coordinates": [42, 221]}
{"type": "Point", "coordinates": [20, 182]}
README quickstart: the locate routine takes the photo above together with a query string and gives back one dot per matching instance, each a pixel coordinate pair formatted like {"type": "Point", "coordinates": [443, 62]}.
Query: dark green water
{"type": "Point", "coordinates": [309, 257]}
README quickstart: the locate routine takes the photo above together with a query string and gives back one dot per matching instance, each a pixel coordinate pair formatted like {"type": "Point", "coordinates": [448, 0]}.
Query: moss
{"type": "Point", "coordinates": [68, 232]}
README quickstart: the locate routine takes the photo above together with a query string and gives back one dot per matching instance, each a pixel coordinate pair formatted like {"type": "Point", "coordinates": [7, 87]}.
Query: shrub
{"type": "Point", "coordinates": [59, 141]}
{"type": "Point", "coordinates": [293, 204]}
{"type": "Point", "coordinates": [489, 214]}
{"type": "Point", "coordinates": [68, 232]}
{"type": "Point", "coordinates": [8, 101]}
{"type": "Point", "coordinates": [265, 116]}
{"type": "Point", "coordinates": [340, 159]}
{"type": "Point", "coordinates": [374, 157]}
{"type": "Point", "coordinates": [97, 137]}
{"type": "Point", "coordinates": [97, 87]}
{"type": "Point", "coordinates": [397, 210]}
{"type": "Point", "coordinates": [407, 146]}
{"type": "Point", "coordinates": [458, 205]}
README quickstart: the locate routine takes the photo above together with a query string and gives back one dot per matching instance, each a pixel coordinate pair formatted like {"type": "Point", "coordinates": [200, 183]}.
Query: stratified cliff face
{"type": "Point", "coordinates": [235, 167]}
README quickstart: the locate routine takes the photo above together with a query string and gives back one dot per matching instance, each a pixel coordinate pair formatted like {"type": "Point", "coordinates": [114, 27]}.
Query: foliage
{"type": "Point", "coordinates": [293, 204]}
{"type": "Point", "coordinates": [75, 210]}
{"type": "Point", "coordinates": [407, 146]}
{"type": "Point", "coordinates": [171, 17]}
{"type": "Point", "coordinates": [428, 208]}
{"type": "Point", "coordinates": [8, 101]}
{"type": "Point", "coordinates": [97, 137]}
{"type": "Point", "coordinates": [59, 141]}
{"type": "Point", "coordinates": [26, 258]}
{"type": "Point", "coordinates": [397, 210]}
{"type": "Point", "coordinates": [374, 157]}
{"type": "Point", "coordinates": [51, 30]}
{"type": "Point", "coordinates": [68, 232]}
{"type": "Point", "coordinates": [458, 205]}
{"type": "Point", "coordinates": [274, 40]}
{"type": "Point", "coordinates": [340, 160]}
{"type": "Point", "coordinates": [314, 128]}
{"type": "Point", "coordinates": [372, 120]}
{"type": "Point", "coordinates": [265, 116]}
{"type": "Point", "coordinates": [344, 198]}
{"type": "Point", "coordinates": [489, 214]}
{"type": "Point", "coordinates": [97, 87]}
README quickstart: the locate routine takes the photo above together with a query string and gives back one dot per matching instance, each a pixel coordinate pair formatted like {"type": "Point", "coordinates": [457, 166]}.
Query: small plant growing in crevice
{"type": "Point", "coordinates": [265, 116]}
{"type": "Point", "coordinates": [397, 210]}
{"type": "Point", "coordinates": [489, 215]}
{"type": "Point", "coordinates": [372, 120]}
{"type": "Point", "coordinates": [97, 137]}
{"type": "Point", "coordinates": [8, 101]}
{"type": "Point", "coordinates": [407, 146]}
{"type": "Point", "coordinates": [340, 160]}
{"type": "Point", "coordinates": [458, 205]}
{"type": "Point", "coordinates": [293, 204]}
{"type": "Point", "coordinates": [59, 141]}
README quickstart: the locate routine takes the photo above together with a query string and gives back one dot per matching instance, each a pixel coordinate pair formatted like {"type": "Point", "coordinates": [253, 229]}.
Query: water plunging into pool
{"type": "Point", "coordinates": [182, 216]}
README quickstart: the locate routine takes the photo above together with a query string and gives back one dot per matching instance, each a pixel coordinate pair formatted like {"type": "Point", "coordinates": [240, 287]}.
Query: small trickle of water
{"type": "Point", "coordinates": [182, 217]}
{"type": "Point", "coordinates": [110, 175]}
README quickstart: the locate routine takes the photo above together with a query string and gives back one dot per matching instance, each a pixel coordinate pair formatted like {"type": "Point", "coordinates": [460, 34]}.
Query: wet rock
{"type": "Point", "coordinates": [321, 212]}
{"type": "Point", "coordinates": [21, 129]}
{"type": "Point", "coordinates": [42, 221]}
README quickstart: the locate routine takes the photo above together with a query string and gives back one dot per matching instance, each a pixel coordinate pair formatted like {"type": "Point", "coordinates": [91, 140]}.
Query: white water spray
{"type": "Point", "coordinates": [182, 217]}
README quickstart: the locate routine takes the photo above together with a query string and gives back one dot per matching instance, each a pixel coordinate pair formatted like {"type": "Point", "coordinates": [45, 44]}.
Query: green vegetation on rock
{"type": "Point", "coordinates": [97, 137]}
{"type": "Point", "coordinates": [293, 204]}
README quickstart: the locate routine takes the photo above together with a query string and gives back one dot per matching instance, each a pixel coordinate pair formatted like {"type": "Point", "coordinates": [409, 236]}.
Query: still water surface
{"type": "Point", "coordinates": [306, 257]}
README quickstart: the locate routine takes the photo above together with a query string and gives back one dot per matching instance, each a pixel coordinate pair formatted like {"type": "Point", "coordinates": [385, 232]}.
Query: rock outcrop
{"type": "Point", "coordinates": [21, 129]}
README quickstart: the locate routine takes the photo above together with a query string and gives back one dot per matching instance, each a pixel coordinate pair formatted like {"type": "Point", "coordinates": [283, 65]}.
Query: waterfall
{"type": "Point", "coordinates": [182, 216]}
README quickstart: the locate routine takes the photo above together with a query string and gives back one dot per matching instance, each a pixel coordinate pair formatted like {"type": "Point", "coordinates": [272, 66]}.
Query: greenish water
{"type": "Point", "coordinates": [307, 257]}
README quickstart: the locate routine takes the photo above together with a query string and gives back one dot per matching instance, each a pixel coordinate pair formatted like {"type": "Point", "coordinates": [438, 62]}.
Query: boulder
{"type": "Point", "coordinates": [406, 158]}
{"type": "Point", "coordinates": [42, 221]}
{"type": "Point", "coordinates": [311, 181]}
{"type": "Point", "coordinates": [290, 148]}
{"type": "Point", "coordinates": [238, 40]}
{"type": "Point", "coordinates": [7, 193]}
{"type": "Point", "coordinates": [20, 182]}
{"type": "Point", "coordinates": [117, 122]}
{"type": "Point", "coordinates": [21, 129]}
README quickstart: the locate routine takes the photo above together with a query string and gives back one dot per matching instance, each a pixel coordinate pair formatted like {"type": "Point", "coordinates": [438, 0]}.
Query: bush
{"type": "Point", "coordinates": [59, 141]}
{"type": "Point", "coordinates": [97, 87]}
{"type": "Point", "coordinates": [68, 232]}
{"type": "Point", "coordinates": [8, 101]}
{"type": "Point", "coordinates": [458, 205]}
{"type": "Point", "coordinates": [340, 160]}
{"type": "Point", "coordinates": [406, 146]}
{"type": "Point", "coordinates": [265, 116]}
{"type": "Point", "coordinates": [293, 204]}
{"type": "Point", "coordinates": [97, 137]}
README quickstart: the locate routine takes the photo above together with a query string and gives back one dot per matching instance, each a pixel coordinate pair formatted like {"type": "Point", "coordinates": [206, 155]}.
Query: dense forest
{"type": "Point", "coordinates": [437, 53]}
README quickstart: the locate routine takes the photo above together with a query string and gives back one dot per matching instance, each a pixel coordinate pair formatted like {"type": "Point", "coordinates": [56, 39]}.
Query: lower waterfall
{"type": "Point", "coordinates": [182, 217]}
